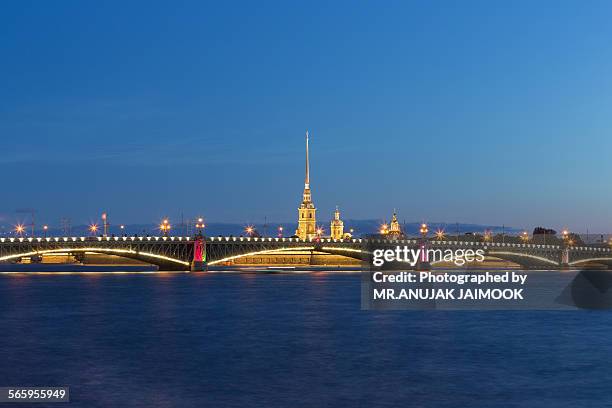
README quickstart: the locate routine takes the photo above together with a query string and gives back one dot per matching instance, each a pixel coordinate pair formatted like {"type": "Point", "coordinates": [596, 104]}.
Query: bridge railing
{"type": "Point", "coordinates": [279, 239]}
{"type": "Point", "coordinates": [94, 239]}
{"type": "Point", "coordinates": [584, 248]}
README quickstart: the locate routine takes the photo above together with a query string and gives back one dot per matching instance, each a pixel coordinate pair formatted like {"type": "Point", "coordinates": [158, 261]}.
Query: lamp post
{"type": "Point", "coordinates": [423, 263]}
{"type": "Point", "coordinates": [165, 226]}
{"type": "Point", "coordinates": [105, 224]}
{"type": "Point", "coordinates": [567, 242]}
{"type": "Point", "coordinates": [93, 229]}
{"type": "Point", "coordinates": [319, 232]}
{"type": "Point", "coordinates": [280, 231]}
{"type": "Point", "coordinates": [384, 229]}
{"type": "Point", "coordinates": [424, 230]}
{"type": "Point", "coordinates": [20, 229]}
{"type": "Point", "coordinates": [45, 228]}
{"type": "Point", "coordinates": [199, 225]}
{"type": "Point", "coordinates": [566, 236]}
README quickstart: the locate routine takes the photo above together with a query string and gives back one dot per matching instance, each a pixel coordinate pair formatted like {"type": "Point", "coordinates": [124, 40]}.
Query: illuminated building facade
{"type": "Point", "coordinates": [395, 231]}
{"type": "Point", "coordinates": [337, 226]}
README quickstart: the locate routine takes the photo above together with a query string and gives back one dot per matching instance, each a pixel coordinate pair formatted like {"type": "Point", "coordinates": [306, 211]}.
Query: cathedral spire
{"type": "Point", "coordinates": [307, 198]}
{"type": "Point", "coordinates": [307, 221]}
{"type": "Point", "coordinates": [307, 179]}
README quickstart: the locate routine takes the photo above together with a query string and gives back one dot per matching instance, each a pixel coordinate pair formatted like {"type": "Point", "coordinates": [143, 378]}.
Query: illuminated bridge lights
{"type": "Point", "coordinates": [539, 258]}
{"type": "Point", "coordinates": [342, 249]}
{"type": "Point", "coordinates": [169, 245]}
{"type": "Point", "coordinates": [97, 250]}
{"type": "Point", "coordinates": [579, 261]}
{"type": "Point", "coordinates": [262, 252]}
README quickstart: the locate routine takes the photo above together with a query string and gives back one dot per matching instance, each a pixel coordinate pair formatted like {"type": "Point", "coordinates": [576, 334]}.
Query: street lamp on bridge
{"type": "Point", "coordinates": [200, 225]}
{"type": "Point", "coordinates": [20, 229]}
{"type": "Point", "coordinates": [524, 236]}
{"type": "Point", "coordinates": [280, 231]}
{"type": "Point", "coordinates": [440, 234]}
{"type": "Point", "coordinates": [424, 230]}
{"type": "Point", "coordinates": [165, 227]}
{"type": "Point", "coordinates": [567, 238]}
{"type": "Point", "coordinates": [45, 228]}
{"type": "Point", "coordinates": [93, 229]}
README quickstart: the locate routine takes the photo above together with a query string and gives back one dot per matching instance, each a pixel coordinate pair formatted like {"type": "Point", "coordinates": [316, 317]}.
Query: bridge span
{"type": "Point", "coordinates": [177, 253]}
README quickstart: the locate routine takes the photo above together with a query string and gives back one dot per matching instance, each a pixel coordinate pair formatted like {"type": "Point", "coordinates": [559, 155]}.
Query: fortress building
{"type": "Point", "coordinates": [307, 221]}
{"type": "Point", "coordinates": [337, 226]}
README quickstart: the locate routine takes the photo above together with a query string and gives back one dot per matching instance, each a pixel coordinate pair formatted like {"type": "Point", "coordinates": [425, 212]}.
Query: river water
{"type": "Point", "coordinates": [288, 340]}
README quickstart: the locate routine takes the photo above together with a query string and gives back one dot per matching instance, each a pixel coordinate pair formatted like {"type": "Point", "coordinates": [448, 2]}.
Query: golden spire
{"type": "Point", "coordinates": [307, 222]}
{"type": "Point", "coordinates": [307, 198]}
{"type": "Point", "coordinates": [307, 179]}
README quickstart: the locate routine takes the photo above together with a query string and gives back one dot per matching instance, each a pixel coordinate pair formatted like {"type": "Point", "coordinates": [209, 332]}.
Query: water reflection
{"type": "Point", "coordinates": [227, 339]}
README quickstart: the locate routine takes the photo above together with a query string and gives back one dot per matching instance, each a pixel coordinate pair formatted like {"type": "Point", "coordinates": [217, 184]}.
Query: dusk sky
{"type": "Point", "coordinates": [482, 112]}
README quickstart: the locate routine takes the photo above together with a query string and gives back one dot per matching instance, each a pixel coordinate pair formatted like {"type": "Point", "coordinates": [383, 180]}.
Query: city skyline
{"type": "Point", "coordinates": [183, 113]}
{"type": "Point", "coordinates": [22, 219]}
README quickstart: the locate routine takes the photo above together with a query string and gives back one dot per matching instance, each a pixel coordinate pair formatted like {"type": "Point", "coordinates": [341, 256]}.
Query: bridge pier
{"type": "Point", "coordinates": [423, 264]}
{"type": "Point", "coordinates": [199, 264]}
{"type": "Point", "coordinates": [565, 265]}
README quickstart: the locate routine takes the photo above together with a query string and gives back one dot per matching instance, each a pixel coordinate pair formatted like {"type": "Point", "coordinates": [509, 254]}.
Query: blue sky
{"type": "Point", "coordinates": [484, 112]}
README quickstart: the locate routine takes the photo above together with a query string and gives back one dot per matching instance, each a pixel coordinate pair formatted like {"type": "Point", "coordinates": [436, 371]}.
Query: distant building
{"type": "Point", "coordinates": [545, 236]}
{"type": "Point", "coordinates": [307, 221]}
{"type": "Point", "coordinates": [337, 226]}
{"type": "Point", "coordinates": [395, 230]}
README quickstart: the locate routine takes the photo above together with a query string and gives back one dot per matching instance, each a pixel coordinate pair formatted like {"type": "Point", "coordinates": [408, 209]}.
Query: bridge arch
{"type": "Point", "coordinates": [523, 259]}
{"type": "Point", "coordinates": [602, 261]}
{"type": "Point", "coordinates": [348, 252]}
{"type": "Point", "coordinates": [277, 251]}
{"type": "Point", "coordinates": [155, 259]}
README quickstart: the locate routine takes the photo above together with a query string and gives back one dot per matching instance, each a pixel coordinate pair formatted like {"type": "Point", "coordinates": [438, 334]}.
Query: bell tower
{"type": "Point", "coordinates": [307, 221]}
{"type": "Point", "coordinates": [337, 226]}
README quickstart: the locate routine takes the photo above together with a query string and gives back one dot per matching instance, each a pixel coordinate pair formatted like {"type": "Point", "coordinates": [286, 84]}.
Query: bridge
{"type": "Point", "coordinates": [180, 253]}
{"type": "Point", "coordinates": [526, 255]}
